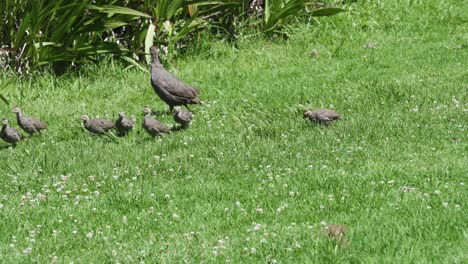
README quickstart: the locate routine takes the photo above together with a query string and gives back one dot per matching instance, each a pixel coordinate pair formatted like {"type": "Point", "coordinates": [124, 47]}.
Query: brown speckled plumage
{"type": "Point", "coordinates": [152, 126]}
{"type": "Point", "coordinates": [9, 134]}
{"type": "Point", "coordinates": [337, 232]}
{"type": "Point", "coordinates": [168, 87]}
{"type": "Point", "coordinates": [124, 124]}
{"type": "Point", "coordinates": [322, 116]}
{"type": "Point", "coordinates": [97, 125]}
{"type": "Point", "coordinates": [183, 117]}
{"type": "Point", "coordinates": [29, 124]}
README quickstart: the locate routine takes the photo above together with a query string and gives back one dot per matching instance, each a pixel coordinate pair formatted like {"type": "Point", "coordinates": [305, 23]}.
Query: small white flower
{"type": "Point", "coordinates": [89, 235]}
{"type": "Point", "coordinates": [444, 204]}
{"type": "Point", "coordinates": [257, 227]}
{"type": "Point", "coordinates": [437, 192]}
{"type": "Point", "coordinates": [259, 210]}
{"type": "Point", "coordinates": [27, 250]}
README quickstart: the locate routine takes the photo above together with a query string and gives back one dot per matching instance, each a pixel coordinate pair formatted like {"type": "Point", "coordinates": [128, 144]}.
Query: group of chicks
{"type": "Point", "coordinates": [169, 88]}
{"type": "Point", "coordinates": [125, 124]}
{"type": "Point", "coordinates": [122, 125]}
{"type": "Point", "coordinates": [30, 125]}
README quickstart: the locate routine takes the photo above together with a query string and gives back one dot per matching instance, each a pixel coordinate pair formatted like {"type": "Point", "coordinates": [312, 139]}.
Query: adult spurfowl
{"type": "Point", "coordinates": [322, 116]}
{"type": "Point", "coordinates": [152, 126]}
{"type": "Point", "coordinates": [97, 125]}
{"type": "Point", "coordinates": [171, 90]}
{"type": "Point", "coordinates": [29, 124]}
{"type": "Point", "coordinates": [124, 124]}
{"type": "Point", "coordinates": [9, 134]}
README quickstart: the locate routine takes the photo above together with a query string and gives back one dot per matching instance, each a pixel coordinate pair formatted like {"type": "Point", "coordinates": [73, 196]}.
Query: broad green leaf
{"type": "Point", "coordinates": [118, 10]}
{"type": "Point", "coordinates": [149, 41]}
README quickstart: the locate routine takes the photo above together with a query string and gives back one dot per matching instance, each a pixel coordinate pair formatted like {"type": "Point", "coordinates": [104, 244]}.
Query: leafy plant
{"type": "Point", "coordinates": [42, 32]}
{"type": "Point", "coordinates": [277, 11]}
{"type": "Point", "coordinates": [36, 33]}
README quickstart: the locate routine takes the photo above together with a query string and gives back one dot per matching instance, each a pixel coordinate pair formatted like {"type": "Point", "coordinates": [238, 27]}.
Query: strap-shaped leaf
{"type": "Point", "coordinates": [149, 41]}
{"type": "Point", "coordinates": [118, 10]}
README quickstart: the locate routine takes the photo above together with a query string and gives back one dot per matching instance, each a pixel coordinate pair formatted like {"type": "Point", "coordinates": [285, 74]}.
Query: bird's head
{"type": "Point", "coordinates": [5, 122]}
{"type": "Point", "coordinates": [16, 110]}
{"type": "Point", "coordinates": [177, 109]}
{"type": "Point", "coordinates": [307, 114]}
{"type": "Point", "coordinates": [121, 114]}
{"type": "Point", "coordinates": [146, 110]}
{"type": "Point", "coordinates": [154, 51]}
{"type": "Point", "coordinates": [85, 118]}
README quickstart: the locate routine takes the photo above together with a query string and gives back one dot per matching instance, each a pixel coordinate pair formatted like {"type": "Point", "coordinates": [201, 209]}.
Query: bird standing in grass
{"type": "Point", "coordinates": [322, 116]}
{"type": "Point", "coordinates": [152, 126]}
{"type": "Point", "coordinates": [337, 232]}
{"type": "Point", "coordinates": [171, 90]}
{"type": "Point", "coordinates": [9, 134]}
{"type": "Point", "coordinates": [97, 125]}
{"type": "Point", "coordinates": [30, 125]}
{"type": "Point", "coordinates": [183, 117]}
{"type": "Point", "coordinates": [124, 124]}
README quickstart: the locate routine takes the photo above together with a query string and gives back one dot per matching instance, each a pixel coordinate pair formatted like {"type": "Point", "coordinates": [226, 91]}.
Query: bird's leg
{"type": "Point", "coordinates": [171, 110]}
{"type": "Point", "coordinates": [187, 108]}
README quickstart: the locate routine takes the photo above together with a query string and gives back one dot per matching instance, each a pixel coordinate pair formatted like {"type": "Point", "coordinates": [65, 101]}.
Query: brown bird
{"type": "Point", "coordinates": [171, 90]}
{"type": "Point", "coordinates": [30, 125]}
{"type": "Point", "coordinates": [97, 125]}
{"type": "Point", "coordinates": [315, 53]}
{"type": "Point", "coordinates": [9, 134]}
{"type": "Point", "coordinates": [183, 117]}
{"type": "Point", "coordinates": [337, 232]}
{"type": "Point", "coordinates": [152, 126]}
{"type": "Point", "coordinates": [322, 116]}
{"type": "Point", "coordinates": [124, 124]}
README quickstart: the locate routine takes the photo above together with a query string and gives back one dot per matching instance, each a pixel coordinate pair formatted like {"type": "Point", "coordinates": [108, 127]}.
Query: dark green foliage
{"type": "Point", "coordinates": [60, 33]}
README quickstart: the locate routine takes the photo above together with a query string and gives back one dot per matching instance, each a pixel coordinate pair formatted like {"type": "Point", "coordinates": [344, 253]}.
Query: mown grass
{"type": "Point", "coordinates": [251, 181]}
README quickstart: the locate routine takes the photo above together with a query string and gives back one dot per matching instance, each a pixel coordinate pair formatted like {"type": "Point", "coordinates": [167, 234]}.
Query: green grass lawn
{"type": "Point", "coordinates": [251, 181]}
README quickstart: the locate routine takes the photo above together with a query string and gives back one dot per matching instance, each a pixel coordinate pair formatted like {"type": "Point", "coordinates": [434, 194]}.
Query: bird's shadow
{"type": "Point", "coordinates": [161, 113]}
{"type": "Point", "coordinates": [7, 146]}
{"type": "Point", "coordinates": [178, 128]}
